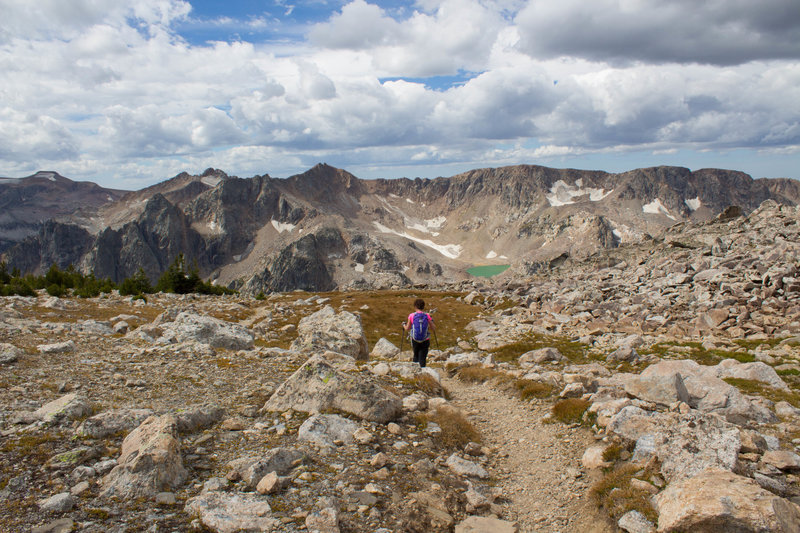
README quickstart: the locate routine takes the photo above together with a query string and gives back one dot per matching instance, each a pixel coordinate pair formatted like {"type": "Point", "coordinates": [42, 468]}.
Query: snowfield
{"type": "Point", "coordinates": [448, 250]}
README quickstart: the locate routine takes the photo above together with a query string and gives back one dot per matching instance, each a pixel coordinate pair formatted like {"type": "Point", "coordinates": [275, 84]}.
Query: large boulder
{"type": "Point", "coordinates": [720, 501]}
{"type": "Point", "coordinates": [192, 327]}
{"type": "Point", "coordinates": [319, 386]}
{"type": "Point", "coordinates": [326, 330]}
{"type": "Point", "coordinates": [685, 444]}
{"type": "Point", "coordinates": [384, 349]}
{"type": "Point", "coordinates": [149, 462]}
{"type": "Point", "coordinates": [663, 390]}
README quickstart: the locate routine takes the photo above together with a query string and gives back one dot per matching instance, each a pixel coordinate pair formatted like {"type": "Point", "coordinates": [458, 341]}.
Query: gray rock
{"type": "Point", "coordinates": [318, 386]}
{"type": "Point", "coordinates": [663, 390]}
{"type": "Point", "coordinates": [782, 460]}
{"type": "Point", "coordinates": [150, 460]}
{"type": "Point", "coordinates": [635, 522]}
{"type": "Point", "coordinates": [541, 355]}
{"type": "Point", "coordinates": [323, 430]}
{"type": "Point", "coordinates": [60, 503]}
{"type": "Point", "coordinates": [9, 353]}
{"type": "Point", "coordinates": [198, 417]}
{"type": "Point", "coordinates": [463, 467]}
{"type": "Point", "coordinates": [279, 460]}
{"type": "Point", "coordinates": [70, 407]}
{"type": "Point", "coordinates": [756, 371]}
{"type": "Point", "coordinates": [384, 349]}
{"type": "Point", "coordinates": [58, 347]}
{"type": "Point", "coordinates": [326, 330]}
{"type": "Point", "coordinates": [625, 354]}
{"type": "Point", "coordinates": [225, 512]}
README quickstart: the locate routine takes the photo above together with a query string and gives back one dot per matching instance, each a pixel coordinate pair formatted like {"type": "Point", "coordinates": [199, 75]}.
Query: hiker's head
{"type": "Point", "coordinates": [419, 303]}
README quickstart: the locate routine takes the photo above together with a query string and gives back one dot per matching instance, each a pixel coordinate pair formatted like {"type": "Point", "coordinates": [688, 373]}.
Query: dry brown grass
{"type": "Point", "coordinates": [570, 411]}
{"type": "Point", "coordinates": [477, 374]}
{"type": "Point", "coordinates": [457, 431]}
{"type": "Point", "coordinates": [614, 494]}
{"type": "Point", "coordinates": [529, 389]}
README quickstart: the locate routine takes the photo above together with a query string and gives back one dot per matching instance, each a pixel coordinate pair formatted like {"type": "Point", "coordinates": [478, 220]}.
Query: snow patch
{"type": "Point", "coordinates": [448, 250]}
{"type": "Point", "coordinates": [503, 257]}
{"type": "Point", "coordinates": [109, 198]}
{"type": "Point", "coordinates": [616, 233]}
{"type": "Point", "coordinates": [561, 193]}
{"type": "Point", "coordinates": [359, 267]}
{"type": "Point", "coordinates": [693, 203]}
{"type": "Point", "coordinates": [211, 181]}
{"type": "Point", "coordinates": [435, 223]}
{"type": "Point", "coordinates": [282, 226]}
{"type": "Point", "coordinates": [657, 208]}
{"type": "Point", "coordinates": [491, 255]}
{"type": "Point", "coordinates": [409, 200]}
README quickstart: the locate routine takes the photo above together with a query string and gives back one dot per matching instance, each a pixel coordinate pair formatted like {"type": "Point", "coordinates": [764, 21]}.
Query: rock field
{"type": "Point", "coordinates": [679, 358]}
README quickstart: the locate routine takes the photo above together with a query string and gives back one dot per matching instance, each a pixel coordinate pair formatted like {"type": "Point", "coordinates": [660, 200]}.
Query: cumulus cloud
{"type": "Point", "coordinates": [110, 88]}
{"type": "Point", "coordinates": [721, 32]}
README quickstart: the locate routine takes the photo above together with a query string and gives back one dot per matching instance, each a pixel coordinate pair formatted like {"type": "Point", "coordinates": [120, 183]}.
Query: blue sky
{"type": "Point", "coordinates": [131, 92]}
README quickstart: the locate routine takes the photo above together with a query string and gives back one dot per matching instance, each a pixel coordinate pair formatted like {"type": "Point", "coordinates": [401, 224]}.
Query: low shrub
{"type": "Point", "coordinates": [614, 493]}
{"type": "Point", "coordinates": [457, 431]}
{"type": "Point", "coordinates": [529, 389]}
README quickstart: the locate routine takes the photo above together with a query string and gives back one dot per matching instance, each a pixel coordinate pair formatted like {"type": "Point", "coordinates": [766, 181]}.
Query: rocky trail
{"type": "Point", "coordinates": [536, 464]}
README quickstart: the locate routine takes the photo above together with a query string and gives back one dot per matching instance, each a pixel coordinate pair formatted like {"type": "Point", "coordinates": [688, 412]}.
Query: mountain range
{"type": "Point", "coordinates": [326, 229]}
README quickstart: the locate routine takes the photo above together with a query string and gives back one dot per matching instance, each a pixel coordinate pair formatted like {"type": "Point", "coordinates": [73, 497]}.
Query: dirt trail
{"type": "Point", "coordinates": [537, 465]}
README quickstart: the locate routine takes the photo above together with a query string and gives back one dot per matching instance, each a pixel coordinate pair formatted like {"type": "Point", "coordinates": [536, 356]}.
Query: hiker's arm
{"type": "Point", "coordinates": [407, 325]}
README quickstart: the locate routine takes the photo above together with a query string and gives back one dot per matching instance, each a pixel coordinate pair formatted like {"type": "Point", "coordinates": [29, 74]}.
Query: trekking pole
{"type": "Point", "coordinates": [436, 339]}
{"type": "Point", "coordinates": [402, 337]}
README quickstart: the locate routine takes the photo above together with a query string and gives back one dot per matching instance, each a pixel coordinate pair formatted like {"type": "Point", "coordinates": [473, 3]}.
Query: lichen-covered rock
{"type": "Point", "coordinates": [149, 462]}
{"type": "Point", "coordinates": [327, 330]}
{"type": "Point", "coordinates": [318, 386]}
{"type": "Point", "coordinates": [9, 353]}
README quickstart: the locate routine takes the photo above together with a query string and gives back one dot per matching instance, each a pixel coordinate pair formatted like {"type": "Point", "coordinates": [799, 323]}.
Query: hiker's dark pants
{"type": "Point", "coordinates": [420, 351]}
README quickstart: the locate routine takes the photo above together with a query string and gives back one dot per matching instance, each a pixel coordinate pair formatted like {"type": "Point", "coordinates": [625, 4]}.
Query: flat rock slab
{"type": "Point", "coordinates": [70, 406]}
{"type": "Point", "coordinates": [111, 422]}
{"type": "Point", "coordinates": [224, 512]}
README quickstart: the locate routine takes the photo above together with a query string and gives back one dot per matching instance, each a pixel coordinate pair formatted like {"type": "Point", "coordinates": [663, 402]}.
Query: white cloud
{"type": "Point", "coordinates": [105, 88]}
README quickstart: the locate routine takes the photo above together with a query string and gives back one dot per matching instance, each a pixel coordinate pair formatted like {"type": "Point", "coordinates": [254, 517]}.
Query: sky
{"type": "Point", "coordinates": [129, 93]}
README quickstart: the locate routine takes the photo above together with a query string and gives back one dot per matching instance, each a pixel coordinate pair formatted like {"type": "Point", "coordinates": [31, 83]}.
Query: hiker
{"type": "Point", "coordinates": [418, 323]}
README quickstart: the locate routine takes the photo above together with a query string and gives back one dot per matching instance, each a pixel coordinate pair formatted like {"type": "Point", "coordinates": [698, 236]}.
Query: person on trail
{"type": "Point", "coordinates": [419, 322]}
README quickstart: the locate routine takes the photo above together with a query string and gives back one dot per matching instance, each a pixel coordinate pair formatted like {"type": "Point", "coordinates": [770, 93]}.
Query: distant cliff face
{"type": "Point", "coordinates": [26, 203]}
{"type": "Point", "coordinates": [327, 229]}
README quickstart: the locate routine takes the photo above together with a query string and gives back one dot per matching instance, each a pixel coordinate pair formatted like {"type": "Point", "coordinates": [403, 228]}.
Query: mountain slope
{"type": "Point", "coordinates": [325, 228]}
